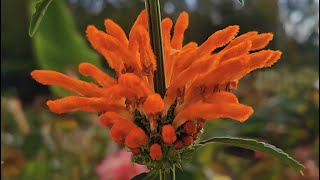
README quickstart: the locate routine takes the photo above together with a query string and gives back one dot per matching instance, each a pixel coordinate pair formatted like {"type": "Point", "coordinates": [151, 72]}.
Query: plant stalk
{"type": "Point", "coordinates": [155, 32]}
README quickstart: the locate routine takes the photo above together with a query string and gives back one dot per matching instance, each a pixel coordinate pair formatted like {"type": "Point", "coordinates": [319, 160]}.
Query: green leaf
{"type": "Point", "coordinates": [153, 174]}
{"type": "Point", "coordinates": [41, 8]}
{"type": "Point", "coordinates": [59, 46]}
{"type": "Point", "coordinates": [257, 146]}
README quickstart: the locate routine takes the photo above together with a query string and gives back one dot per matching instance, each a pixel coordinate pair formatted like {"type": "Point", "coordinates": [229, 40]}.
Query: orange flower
{"type": "Point", "coordinates": [120, 130]}
{"type": "Point", "coordinates": [155, 152]}
{"type": "Point", "coordinates": [137, 137]}
{"type": "Point", "coordinates": [168, 134]}
{"type": "Point", "coordinates": [198, 82]}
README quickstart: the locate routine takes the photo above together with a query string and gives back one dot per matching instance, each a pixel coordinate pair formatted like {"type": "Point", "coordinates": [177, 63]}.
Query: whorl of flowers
{"type": "Point", "coordinates": [160, 131]}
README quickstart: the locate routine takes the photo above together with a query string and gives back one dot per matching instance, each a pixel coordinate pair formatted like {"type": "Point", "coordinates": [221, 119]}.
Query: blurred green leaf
{"type": "Point", "coordinates": [41, 8]}
{"type": "Point", "coordinates": [153, 174]}
{"type": "Point", "coordinates": [257, 146]}
{"type": "Point", "coordinates": [59, 46]}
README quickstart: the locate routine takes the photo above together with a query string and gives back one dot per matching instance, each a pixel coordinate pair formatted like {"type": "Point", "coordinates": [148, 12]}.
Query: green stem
{"type": "Point", "coordinates": [155, 32]}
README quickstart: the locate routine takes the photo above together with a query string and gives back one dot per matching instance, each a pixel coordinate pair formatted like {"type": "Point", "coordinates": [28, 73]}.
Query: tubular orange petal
{"type": "Point", "coordinates": [116, 31]}
{"type": "Point", "coordinates": [226, 69]}
{"type": "Point", "coordinates": [168, 63]}
{"type": "Point", "coordinates": [107, 119]}
{"type": "Point", "coordinates": [206, 111]}
{"type": "Point", "coordinates": [237, 50]}
{"type": "Point", "coordinates": [179, 58]}
{"type": "Point", "coordinates": [221, 97]}
{"type": "Point", "coordinates": [131, 82]}
{"type": "Point", "coordinates": [147, 58]}
{"type": "Point", "coordinates": [84, 104]}
{"type": "Point", "coordinates": [240, 39]}
{"type": "Point", "coordinates": [103, 42]}
{"type": "Point", "coordinates": [142, 20]}
{"type": "Point", "coordinates": [202, 65]}
{"type": "Point", "coordinates": [273, 59]}
{"type": "Point", "coordinates": [153, 104]}
{"type": "Point", "coordinates": [166, 33]}
{"type": "Point", "coordinates": [99, 76]}
{"type": "Point", "coordinates": [120, 130]}
{"type": "Point", "coordinates": [137, 137]}
{"type": "Point", "coordinates": [260, 41]}
{"type": "Point", "coordinates": [179, 29]}
{"type": "Point", "coordinates": [114, 61]}
{"type": "Point", "coordinates": [47, 77]}
{"type": "Point", "coordinates": [216, 40]}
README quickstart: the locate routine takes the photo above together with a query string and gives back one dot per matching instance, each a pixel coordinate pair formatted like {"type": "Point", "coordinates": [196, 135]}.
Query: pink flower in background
{"type": "Point", "coordinates": [119, 167]}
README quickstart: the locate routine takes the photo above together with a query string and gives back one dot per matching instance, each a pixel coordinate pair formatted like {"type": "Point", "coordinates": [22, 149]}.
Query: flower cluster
{"type": "Point", "coordinates": [161, 131]}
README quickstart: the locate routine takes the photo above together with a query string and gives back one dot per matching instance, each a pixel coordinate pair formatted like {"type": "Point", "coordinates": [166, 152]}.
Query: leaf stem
{"type": "Point", "coordinates": [155, 32]}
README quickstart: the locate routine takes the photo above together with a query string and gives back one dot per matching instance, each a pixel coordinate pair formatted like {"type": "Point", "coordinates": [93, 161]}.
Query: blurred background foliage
{"type": "Point", "coordinates": [37, 144]}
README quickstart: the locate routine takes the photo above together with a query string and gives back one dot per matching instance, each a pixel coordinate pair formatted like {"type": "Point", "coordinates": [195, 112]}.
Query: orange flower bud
{"type": "Point", "coordinates": [137, 137]}
{"type": "Point", "coordinates": [178, 145]}
{"type": "Point", "coordinates": [190, 128]}
{"type": "Point", "coordinates": [107, 119]}
{"type": "Point", "coordinates": [168, 134]}
{"type": "Point", "coordinates": [135, 151]}
{"type": "Point", "coordinates": [187, 140]}
{"type": "Point", "coordinates": [120, 129]}
{"type": "Point", "coordinates": [153, 104]}
{"type": "Point", "coordinates": [155, 152]}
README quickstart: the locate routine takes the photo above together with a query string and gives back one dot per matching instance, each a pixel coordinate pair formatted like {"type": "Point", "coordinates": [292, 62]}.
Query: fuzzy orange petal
{"type": "Point", "coordinates": [224, 70]}
{"type": "Point", "coordinates": [240, 39]}
{"type": "Point", "coordinates": [237, 50]}
{"type": "Point", "coordinates": [200, 66]}
{"type": "Point", "coordinates": [47, 77]}
{"type": "Point", "coordinates": [105, 43]}
{"type": "Point", "coordinates": [133, 86]}
{"type": "Point", "coordinates": [179, 58]}
{"type": "Point", "coordinates": [99, 76]}
{"type": "Point", "coordinates": [113, 60]}
{"type": "Point", "coordinates": [116, 31]}
{"type": "Point", "coordinates": [147, 58]}
{"type": "Point", "coordinates": [206, 111]}
{"type": "Point", "coordinates": [71, 103]}
{"type": "Point", "coordinates": [273, 59]}
{"type": "Point", "coordinates": [120, 130]}
{"type": "Point", "coordinates": [153, 104]}
{"type": "Point", "coordinates": [221, 97]}
{"type": "Point", "coordinates": [216, 40]}
{"type": "Point", "coordinates": [260, 41]}
{"type": "Point", "coordinates": [136, 137]}
{"type": "Point", "coordinates": [142, 20]}
{"type": "Point", "coordinates": [179, 29]}
{"type": "Point", "coordinates": [107, 119]}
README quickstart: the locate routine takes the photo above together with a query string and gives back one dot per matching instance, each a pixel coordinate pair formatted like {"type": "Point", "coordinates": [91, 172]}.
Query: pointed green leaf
{"type": "Point", "coordinates": [256, 146]}
{"type": "Point", "coordinates": [41, 8]}
{"type": "Point", "coordinates": [59, 46]}
{"type": "Point", "coordinates": [153, 174]}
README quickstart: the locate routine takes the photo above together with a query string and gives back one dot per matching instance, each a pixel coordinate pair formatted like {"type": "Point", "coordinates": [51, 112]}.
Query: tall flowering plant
{"type": "Point", "coordinates": [164, 90]}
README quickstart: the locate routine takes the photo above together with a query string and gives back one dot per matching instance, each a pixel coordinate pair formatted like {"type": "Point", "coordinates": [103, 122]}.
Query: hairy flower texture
{"type": "Point", "coordinates": [155, 152]}
{"type": "Point", "coordinates": [168, 134]}
{"type": "Point", "coordinates": [198, 80]}
{"type": "Point", "coordinates": [137, 137]}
